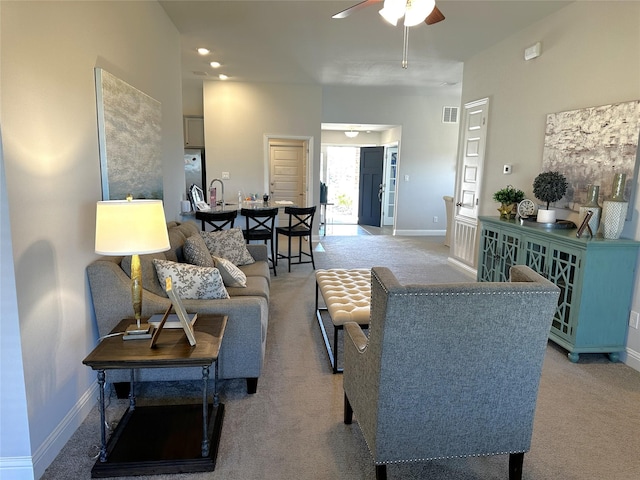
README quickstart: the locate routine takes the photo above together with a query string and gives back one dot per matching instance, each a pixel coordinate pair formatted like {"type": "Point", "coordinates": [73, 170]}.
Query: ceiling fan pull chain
{"type": "Point", "coordinates": [405, 48]}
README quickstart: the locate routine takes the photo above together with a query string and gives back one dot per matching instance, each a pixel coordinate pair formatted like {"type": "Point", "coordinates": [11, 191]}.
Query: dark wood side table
{"type": "Point", "coordinates": [161, 439]}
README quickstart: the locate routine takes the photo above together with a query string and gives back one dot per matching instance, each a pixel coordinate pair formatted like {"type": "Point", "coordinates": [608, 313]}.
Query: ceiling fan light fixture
{"type": "Point", "coordinates": [417, 11]}
{"type": "Point", "coordinates": [393, 10]}
{"type": "Point", "coordinates": [351, 134]}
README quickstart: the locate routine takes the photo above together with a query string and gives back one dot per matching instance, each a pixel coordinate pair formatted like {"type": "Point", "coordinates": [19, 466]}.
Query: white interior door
{"type": "Point", "coordinates": [287, 171]}
{"type": "Point", "coordinates": [389, 194]}
{"type": "Point", "coordinates": [469, 179]}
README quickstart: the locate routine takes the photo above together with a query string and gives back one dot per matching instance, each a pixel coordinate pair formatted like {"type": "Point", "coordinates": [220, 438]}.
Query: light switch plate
{"type": "Point", "coordinates": [225, 175]}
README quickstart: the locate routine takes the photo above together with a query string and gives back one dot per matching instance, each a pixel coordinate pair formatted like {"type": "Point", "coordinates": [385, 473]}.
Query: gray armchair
{"type": "Point", "coordinates": [448, 370]}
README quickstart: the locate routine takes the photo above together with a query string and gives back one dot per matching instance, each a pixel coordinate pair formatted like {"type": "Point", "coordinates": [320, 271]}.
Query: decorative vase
{"type": "Point", "coordinates": [593, 191]}
{"type": "Point", "coordinates": [619, 182]}
{"type": "Point", "coordinates": [614, 210]}
{"type": "Point", "coordinates": [546, 216]}
{"type": "Point", "coordinates": [613, 215]}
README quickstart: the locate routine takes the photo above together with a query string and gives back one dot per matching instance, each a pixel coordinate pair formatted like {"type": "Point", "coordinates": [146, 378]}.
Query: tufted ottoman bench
{"type": "Point", "coordinates": [347, 298]}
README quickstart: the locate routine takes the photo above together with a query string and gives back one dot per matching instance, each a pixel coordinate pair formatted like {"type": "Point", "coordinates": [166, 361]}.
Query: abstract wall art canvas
{"type": "Point", "coordinates": [129, 131]}
{"type": "Point", "coordinates": [589, 146]}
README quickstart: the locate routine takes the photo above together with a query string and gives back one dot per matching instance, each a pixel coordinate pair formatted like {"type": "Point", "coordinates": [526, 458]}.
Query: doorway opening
{"type": "Point", "coordinates": [342, 173]}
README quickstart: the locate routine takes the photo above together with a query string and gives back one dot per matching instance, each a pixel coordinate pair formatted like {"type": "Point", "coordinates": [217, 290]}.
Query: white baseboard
{"type": "Point", "coordinates": [47, 452]}
{"type": "Point", "coordinates": [420, 233]}
{"type": "Point", "coordinates": [631, 358]}
{"type": "Point", "coordinates": [463, 266]}
{"type": "Point", "coordinates": [16, 468]}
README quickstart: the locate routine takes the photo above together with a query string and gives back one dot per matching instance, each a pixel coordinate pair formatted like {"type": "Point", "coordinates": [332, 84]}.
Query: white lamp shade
{"type": "Point", "coordinates": [130, 227]}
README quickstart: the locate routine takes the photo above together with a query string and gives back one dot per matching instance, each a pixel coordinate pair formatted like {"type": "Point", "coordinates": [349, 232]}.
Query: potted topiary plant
{"type": "Point", "coordinates": [549, 187]}
{"type": "Point", "coordinates": [508, 197]}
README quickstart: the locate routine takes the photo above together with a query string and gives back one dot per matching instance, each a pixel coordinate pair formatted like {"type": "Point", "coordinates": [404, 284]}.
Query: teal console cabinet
{"type": "Point", "coordinates": [595, 276]}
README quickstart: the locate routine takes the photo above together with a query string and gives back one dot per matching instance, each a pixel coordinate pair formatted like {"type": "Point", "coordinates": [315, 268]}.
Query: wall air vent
{"type": "Point", "coordinates": [450, 115]}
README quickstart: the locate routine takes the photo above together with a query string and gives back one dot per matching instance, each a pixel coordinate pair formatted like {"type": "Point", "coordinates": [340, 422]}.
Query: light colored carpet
{"type": "Point", "coordinates": [586, 427]}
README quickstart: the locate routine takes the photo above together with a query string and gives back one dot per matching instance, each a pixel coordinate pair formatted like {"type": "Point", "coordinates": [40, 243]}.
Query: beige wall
{"type": "Point", "coordinates": [239, 115]}
{"type": "Point", "coordinates": [427, 147]}
{"type": "Point", "coordinates": [49, 127]}
{"type": "Point", "coordinates": [589, 57]}
{"type": "Point", "coordinates": [237, 119]}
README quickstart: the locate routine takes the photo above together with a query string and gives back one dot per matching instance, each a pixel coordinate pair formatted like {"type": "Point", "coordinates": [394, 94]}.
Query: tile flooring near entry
{"type": "Point", "coordinates": [336, 229]}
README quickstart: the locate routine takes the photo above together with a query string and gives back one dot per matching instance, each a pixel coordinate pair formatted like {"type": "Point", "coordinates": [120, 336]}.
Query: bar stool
{"type": "Point", "coordinates": [260, 226]}
{"type": "Point", "coordinates": [300, 224]}
{"type": "Point", "coordinates": [218, 220]}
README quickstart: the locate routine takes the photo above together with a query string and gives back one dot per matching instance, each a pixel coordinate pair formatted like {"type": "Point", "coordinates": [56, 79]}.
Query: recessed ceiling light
{"type": "Point", "coordinates": [203, 51]}
{"type": "Point", "coordinates": [215, 64]}
{"type": "Point", "coordinates": [222, 76]}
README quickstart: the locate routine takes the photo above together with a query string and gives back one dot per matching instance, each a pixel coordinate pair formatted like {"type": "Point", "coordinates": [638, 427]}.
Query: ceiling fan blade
{"type": "Point", "coordinates": [434, 17]}
{"type": "Point", "coordinates": [355, 8]}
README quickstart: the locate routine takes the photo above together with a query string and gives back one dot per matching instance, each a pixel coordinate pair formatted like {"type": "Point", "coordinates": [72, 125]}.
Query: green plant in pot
{"type": "Point", "coordinates": [508, 197]}
{"type": "Point", "coordinates": [549, 187]}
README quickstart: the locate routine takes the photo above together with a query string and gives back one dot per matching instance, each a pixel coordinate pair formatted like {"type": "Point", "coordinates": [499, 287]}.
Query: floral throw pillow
{"type": "Point", "coordinates": [229, 244]}
{"type": "Point", "coordinates": [192, 281]}
{"type": "Point", "coordinates": [196, 251]}
{"type": "Point", "coordinates": [232, 276]}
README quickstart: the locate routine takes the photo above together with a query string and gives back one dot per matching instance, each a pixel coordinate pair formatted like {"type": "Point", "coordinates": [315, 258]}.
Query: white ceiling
{"type": "Point", "coordinates": [297, 41]}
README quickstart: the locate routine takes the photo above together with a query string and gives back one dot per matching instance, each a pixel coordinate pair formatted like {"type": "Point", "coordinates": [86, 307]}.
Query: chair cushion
{"type": "Point", "coordinates": [229, 244]}
{"type": "Point", "coordinates": [196, 252]}
{"type": "Point", "coordinates": [232, 276]}
{"type": "Point", "coordinates": [192, 281]}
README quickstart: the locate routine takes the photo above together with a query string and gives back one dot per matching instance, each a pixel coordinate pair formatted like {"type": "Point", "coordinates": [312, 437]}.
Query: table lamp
{"type": "Point", "coordinates": [131, 227]}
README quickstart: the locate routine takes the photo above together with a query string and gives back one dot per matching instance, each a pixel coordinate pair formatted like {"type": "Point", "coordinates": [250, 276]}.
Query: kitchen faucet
{"type": "Point", "coordinates": [222, 188]}
{"type": "Point", "coordinates": [221, 185]}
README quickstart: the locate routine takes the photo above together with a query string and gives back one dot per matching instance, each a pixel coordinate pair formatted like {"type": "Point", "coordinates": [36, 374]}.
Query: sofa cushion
{"type": "Point", "coordinates": [256, 287]}
{"type": "Point", "coordinates": [196, 252]}
{"type": "Point", "coordinates": [149, 276]}
{"type": "Point", "coordinates": [229, 244]}
{"type": "Point", "coordinates": [232, 276]}
{"type": "Point", "coordinates": [192, 281]}
{"type": "Point", "coordinates": [178, 233]}
{"type": "Point", "coordinates": [257, 269]}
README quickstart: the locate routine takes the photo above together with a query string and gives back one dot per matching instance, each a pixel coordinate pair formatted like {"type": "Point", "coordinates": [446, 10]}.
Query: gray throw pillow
{"type": "Point", "coordinates": [229, 244]}
{"type": "Point", "coordinates": [196, 251]}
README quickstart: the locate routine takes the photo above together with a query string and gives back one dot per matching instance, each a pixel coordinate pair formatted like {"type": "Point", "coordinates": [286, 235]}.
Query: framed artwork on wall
{"type": "Point", "coordinates": [590, 145]}
{"type": "Point", "coordinates": [129, 135]}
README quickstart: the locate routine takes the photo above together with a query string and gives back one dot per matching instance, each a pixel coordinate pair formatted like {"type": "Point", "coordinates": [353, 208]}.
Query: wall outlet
{"type": "Point", "coordinates": [435, 219]}
{"type": "Point", "coordinates": [225, 175]}
{"type": "Point", "coordinates": [634, 318]}
{"type": "Point", "coordinates": [406, 178]}
{"type": "Point", "coordinates": [506, 169]}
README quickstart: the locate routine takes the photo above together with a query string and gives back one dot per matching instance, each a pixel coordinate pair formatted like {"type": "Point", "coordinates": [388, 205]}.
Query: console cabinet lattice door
{"type": "Point", "coordinates": [595, 277]}
{"type": "Point", "coordinates": [499, 248]}
{"type": "Point", "coordinates": [561, 265]}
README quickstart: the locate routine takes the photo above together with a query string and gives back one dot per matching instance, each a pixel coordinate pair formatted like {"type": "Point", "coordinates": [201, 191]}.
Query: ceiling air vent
{"type": "Point", "coordinates": [450, 115]}
{"type": "Point", "coordinates": [201, 74]}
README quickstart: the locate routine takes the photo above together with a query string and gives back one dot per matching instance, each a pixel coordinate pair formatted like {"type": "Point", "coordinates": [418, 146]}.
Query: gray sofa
{"type": "Point", "coordinates": [243, 346]}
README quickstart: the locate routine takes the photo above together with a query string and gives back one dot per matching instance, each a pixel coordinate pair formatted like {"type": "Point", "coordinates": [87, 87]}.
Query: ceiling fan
{"type": "Point", "coordinates": [413, 11]}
